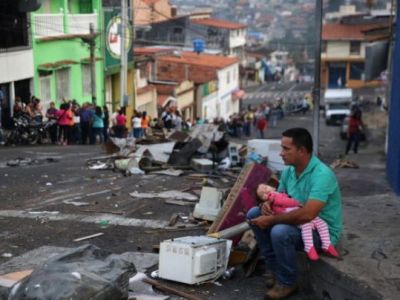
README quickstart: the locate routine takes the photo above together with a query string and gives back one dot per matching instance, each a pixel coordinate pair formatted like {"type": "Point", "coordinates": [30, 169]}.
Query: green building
{"type": "Point", "coordinates": [61, 51]}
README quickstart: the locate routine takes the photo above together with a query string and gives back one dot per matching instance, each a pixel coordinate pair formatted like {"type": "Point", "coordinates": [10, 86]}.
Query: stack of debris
{"type": "Point", "coordinates": [204, 149]}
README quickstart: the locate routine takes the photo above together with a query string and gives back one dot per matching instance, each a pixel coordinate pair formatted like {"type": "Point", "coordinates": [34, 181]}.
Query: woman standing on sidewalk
{"type": "Point", "coordinates": [354, 131]}
{"type": "Point", "coordinates": [97, 126]}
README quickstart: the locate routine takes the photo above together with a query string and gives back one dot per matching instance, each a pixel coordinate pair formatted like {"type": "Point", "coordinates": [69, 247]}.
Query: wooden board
{"type": "Point", "coordinates": [241, 198]}
{"type": "Point", "coordinates": [8, 280]}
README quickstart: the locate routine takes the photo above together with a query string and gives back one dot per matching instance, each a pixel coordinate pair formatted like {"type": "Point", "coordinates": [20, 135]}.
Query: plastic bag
{"type": "Point", "coordinates": [83, 273]}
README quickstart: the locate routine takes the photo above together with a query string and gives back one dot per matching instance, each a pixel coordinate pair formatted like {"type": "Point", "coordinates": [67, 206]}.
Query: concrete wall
{"type": "Point", "coordinates": [237, 38]}
{"type": "Point", "coordinates": [16, 65]}
{"type": "Point", "coordinates": [226, 106]}
{"type": "Point", "coordinates": [341, 49]}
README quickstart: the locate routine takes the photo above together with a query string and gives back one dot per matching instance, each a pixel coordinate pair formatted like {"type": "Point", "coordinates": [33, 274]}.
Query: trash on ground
{"type": "Point", "coordinates": [344, 163]}
{"type": "Point", "coordinates": [141, 290]}
{"type": "Point", "coordinates": [167, 195]}
{"type": "Point", "coordinates": [170, 172]}
{"type": "Point", "coordinates": [103, 276]}
{"type": "Point", "coordinates": [76, 203]}
{"type": "Point", "coordinates": [88, 237]}
{"type": "Point", "coordinates": [10, 279]}
{"type": "Point", "coordinates": [202, 164]}
{"type": "Point", "coordinates": [101, 166]}
{"type": "Point", "coordinates": [179, 202]}
{"type": "Point", "coordinates": [165, 288]}
{"type": "Point", "coordinates": [209, 205]}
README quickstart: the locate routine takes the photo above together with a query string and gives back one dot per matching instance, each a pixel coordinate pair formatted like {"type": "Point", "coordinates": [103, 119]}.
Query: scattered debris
{"type": "Point", "coordinates": [344, 163]}
{"type": "Point", "coordinates": [88, 237]}
{"type": "Point", "coordinates": [202, 164]}
{"type": "Point", "coordinates": [170, 172]}
{"type": "Point", "coordinates": [173, 220]}
{"type": "Point", "coordinates": [101, 166]}
{"type": "Point", "coordinates": [10, 279]}
{"type": "Point", "coordinates": [142, 290]}
{"type": "Point", "coordinates": [76, 203]}
{"type": "Point", "coordinates": [179, 202]}
{"type": "Point", "coordinates": [209, 204]}
{"type": "Point", "coordinates": [103, 276]}
{"type": "Point", "coordinates": [182, 157]}
{"type": "Point", "coordinates": [167, 195]}
{"type": "Point", "coordinates": [22, 162]}
{"type": "Point", "coordinates": [163, 287]}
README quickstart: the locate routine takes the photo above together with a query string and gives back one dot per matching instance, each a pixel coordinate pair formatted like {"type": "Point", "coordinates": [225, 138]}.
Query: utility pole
{"type": "Point", "coordinates": [92, 44]}
{"type": "Point", "coordinates": [124, 56]}
{"type": "Point", "coordinates": [317, 75]}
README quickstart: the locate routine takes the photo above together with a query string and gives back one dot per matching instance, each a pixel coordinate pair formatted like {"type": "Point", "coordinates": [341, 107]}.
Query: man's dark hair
{"type": "Point", "coordinates": [301, 138]}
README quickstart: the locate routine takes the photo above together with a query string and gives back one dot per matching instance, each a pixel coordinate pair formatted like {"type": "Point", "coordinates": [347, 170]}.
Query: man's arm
{"type": "Point", "coordinates": [296, 217]}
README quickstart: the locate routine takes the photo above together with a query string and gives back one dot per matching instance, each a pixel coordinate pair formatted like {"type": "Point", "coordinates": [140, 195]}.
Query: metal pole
{"type": "Point", "coordinates": [124, 58]}
{"type": "Point", "coordinates": [317, 74]}
{"type": "Point", "coordinates": [92, 63]}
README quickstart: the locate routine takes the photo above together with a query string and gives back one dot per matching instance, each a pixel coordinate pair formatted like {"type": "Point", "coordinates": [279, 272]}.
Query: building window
{"type": "Point", "coordinates": [86, 80]}
{"type": "Point", "coordinates": [228, 77]}
{"type": "Point", "coordinates": [63, 84]}
{"type": "Point", "coordinates": [355, 48]}
{"type": "Point", "coordinates": [357, 71]}
{"type": "Point", "coordinates": [13, 26]}
{"type": "Point", "coordinates": [45, 91]}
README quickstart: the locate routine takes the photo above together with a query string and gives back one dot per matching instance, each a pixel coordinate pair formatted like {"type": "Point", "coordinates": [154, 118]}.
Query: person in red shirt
{"type": "Point", "coordinates": [261, 125]}
{"type": "Point", "coordinates": [354, 131]}
{"type": "Point", "coordinates": [120, 124]}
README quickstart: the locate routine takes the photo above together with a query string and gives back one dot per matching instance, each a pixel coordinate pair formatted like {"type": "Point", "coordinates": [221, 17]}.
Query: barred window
{"type": "Point", "coordinates": [63, 84]}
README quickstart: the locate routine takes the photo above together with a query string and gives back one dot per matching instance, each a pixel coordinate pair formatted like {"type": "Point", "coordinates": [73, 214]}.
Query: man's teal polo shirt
{"type": "Point", "coordinates": [317, 182]}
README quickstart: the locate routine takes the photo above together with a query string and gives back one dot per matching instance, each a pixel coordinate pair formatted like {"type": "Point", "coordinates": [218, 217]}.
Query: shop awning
{"type": "Point", "coordinates": [56, 65]}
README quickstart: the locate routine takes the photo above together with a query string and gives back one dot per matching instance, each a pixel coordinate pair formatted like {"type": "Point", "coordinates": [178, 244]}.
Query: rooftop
{"type": "Point", "coordinates": [219, 23]}
{"type": "Point", "coordinates": [203, 59]}
{"type": "Point", "coordinates": [336, 31]}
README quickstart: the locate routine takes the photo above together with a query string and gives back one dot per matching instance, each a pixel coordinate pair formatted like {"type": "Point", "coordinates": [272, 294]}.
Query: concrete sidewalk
{"type": "Point", "coordinates": [370, 244]}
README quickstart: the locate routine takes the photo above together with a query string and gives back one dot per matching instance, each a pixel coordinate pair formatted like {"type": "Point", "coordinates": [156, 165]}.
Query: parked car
{"type": "Point", "coordinates": [344, 127]}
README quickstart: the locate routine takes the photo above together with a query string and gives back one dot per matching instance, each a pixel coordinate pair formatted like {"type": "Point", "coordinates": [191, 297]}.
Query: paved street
{"type": "Point", "coordinates": [37, 209]}
{"type": "Point", "coordinates": [271, 91]}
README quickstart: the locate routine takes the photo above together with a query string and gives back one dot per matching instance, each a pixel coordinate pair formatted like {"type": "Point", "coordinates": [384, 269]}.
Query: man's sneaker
{"type": "Point", "coordinates": [269, 279]}
{"type": "Point", "coordinates": [280, 291]}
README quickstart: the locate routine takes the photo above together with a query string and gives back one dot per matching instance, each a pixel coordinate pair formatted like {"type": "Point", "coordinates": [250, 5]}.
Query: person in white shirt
{"type": "Point", "coordinates": [137, 125]}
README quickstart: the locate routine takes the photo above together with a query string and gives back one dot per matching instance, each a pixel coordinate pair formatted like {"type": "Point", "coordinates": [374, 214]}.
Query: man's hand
{"type": "Point", "coordinates": [262, 222]}
{"type": "Point", "coordinates": [266, 209]}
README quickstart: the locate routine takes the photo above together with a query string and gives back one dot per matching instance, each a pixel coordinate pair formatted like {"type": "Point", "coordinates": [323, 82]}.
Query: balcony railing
{"type": "Point", "coordinates": [49, 25]}
{"type": "Point", "coordinates": [79, 24]}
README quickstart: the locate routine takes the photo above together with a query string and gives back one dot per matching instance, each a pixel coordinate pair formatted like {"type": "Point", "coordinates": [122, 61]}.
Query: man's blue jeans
{"type": "Point", "coordinates": [278, 245]}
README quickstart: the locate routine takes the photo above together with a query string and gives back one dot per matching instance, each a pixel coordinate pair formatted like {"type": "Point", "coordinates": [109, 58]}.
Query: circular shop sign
{"type": "Point", "coordinates": [113, 37]}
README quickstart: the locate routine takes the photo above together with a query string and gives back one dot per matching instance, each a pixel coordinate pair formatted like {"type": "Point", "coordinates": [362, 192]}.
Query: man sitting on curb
{"type": "Point", "coordinates": [312, 183]}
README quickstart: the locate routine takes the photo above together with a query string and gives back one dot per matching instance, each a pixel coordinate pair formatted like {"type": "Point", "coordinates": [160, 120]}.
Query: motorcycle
{"type": "Point", "coordinates": [27, 131]}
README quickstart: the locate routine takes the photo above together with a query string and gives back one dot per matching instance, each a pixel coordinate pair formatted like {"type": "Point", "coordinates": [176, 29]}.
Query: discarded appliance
{"type": "Point", "coordinates": [202, 164]}
{"type": "Point", "coordinates": [270, 148]}
{"type": "Point", "coordinates": [209, 204]}
{"type": "Point", "coordinates": [233, 152]}
{"type": "Point", "coordinates": [193, 259]}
